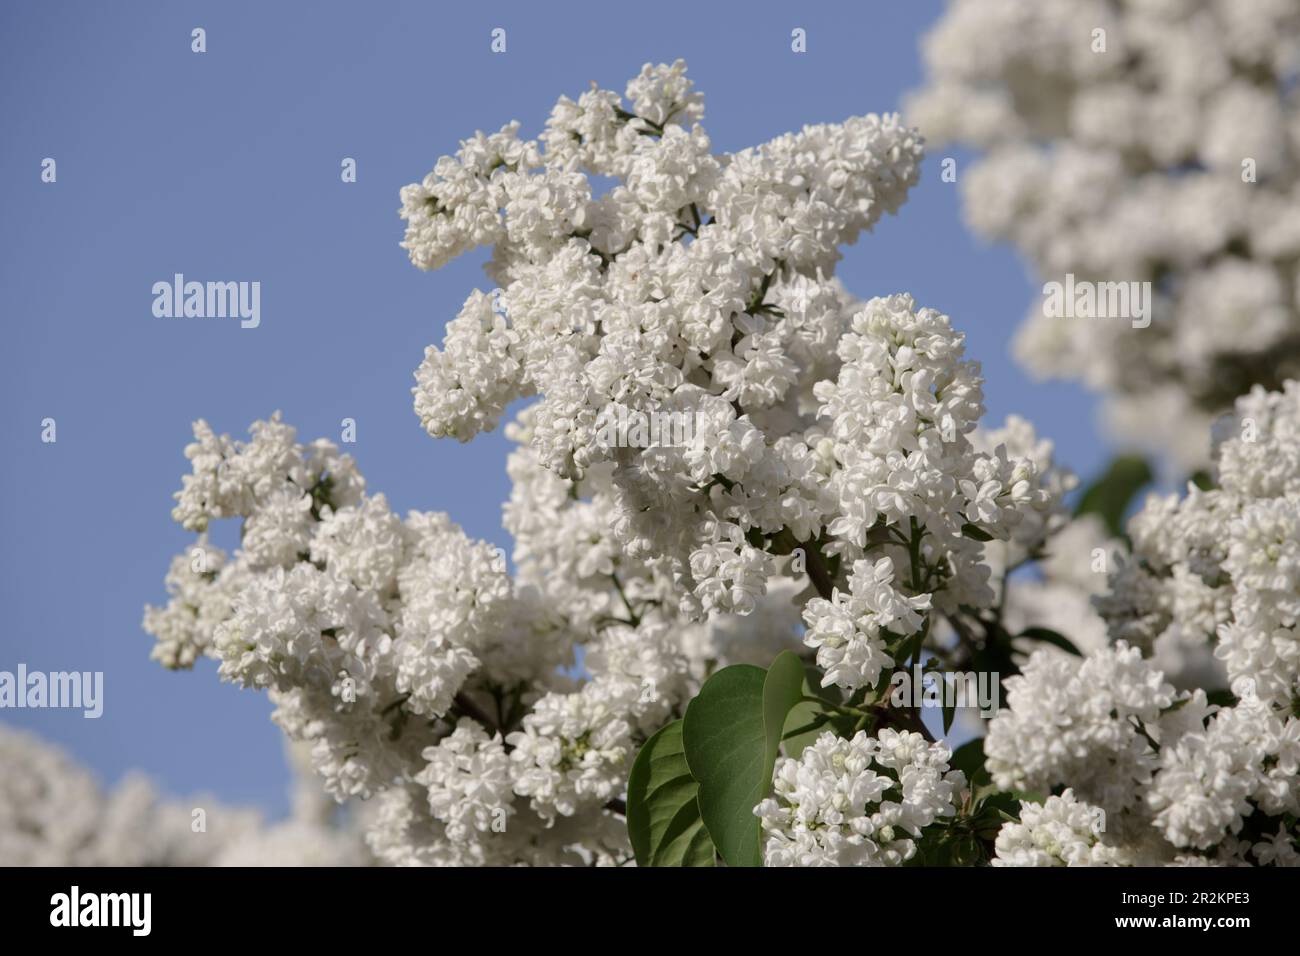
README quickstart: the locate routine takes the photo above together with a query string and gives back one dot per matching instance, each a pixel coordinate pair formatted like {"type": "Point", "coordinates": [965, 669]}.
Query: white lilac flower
{"type": "Point", "coordinates": [1145, 142]}
{"type": "Point", "coordinates": [1083, 722]}
{"type": "Point", "coordinates": [847, 630]}
{"type": "Point", "coordinates": [1061, 831]}
{"type": "Point", "coordinates": [574, 750]}
{"type": "Point", "coordinates": [741, 331]}
{"type": "Point", "coordinates": [362, 544]}
{"type": "Point", "coordinates": [201, 584]}
{"type": "Point", "coordinates": [1220, 569]}
{"type": "Point", "coordinates": [468, 778]}
{"type": "Point", "coordinates": [858, 802]}
{"type": "Point", "coordinates": [821, 449]}
{"type": "Point", "coordinates": [1212, 779]}
{"type": "Point", "coordinates": [1215, 570]}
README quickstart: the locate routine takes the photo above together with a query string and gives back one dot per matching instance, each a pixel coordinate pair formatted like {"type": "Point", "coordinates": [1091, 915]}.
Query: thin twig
{"type": "Point", "coordinates": [471, 709]}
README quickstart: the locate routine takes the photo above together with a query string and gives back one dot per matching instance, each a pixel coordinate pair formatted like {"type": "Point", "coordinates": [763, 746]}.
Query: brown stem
{"type": "Point", "coordinates": [471, 709]}
{"type": "Point", "coordinates": [817, 572]}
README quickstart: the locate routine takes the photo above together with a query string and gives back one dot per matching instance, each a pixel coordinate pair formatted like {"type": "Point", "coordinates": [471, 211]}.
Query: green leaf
{"type": "Point", "coordinates": [1221, 698]}
{"type": "Point", "coordinates": [810, 717]}
{"type": "Point", "coordinates": [949, 712]}
{"type": "Point", "coordinates": [723, 738]}
{"type": "Point", "coordinates": [1048, 636]}
{"type": "Point", "coordinates": [994, 810]}
{"type": "Point", "coordinates": [731, 734]}
{"type": "Point", "coordinates": [905, 650]}
{"type": "Point", "coordinates": [782, 689]}
{"type": "Point", "coordinates": [965, 850]}
{"type": "Point", "coordinates": [969, 758]}
{"type": "Point", "coordinates": [803, 725]}
{"type": "Point", "coordinates": [942, 844]}
{"type": "Point", "coordinates": [663, 817]}
{"type": "Point", "coordinates": [1109, 496]}
{"type": "Point", "coordinates": [997, 808]}
{"type": "Point", "coordinates": [976, 532]}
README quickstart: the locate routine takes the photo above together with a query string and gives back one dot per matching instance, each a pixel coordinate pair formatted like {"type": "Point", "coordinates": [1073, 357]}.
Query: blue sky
{"type": "Point", "coordinates": [225, 166]}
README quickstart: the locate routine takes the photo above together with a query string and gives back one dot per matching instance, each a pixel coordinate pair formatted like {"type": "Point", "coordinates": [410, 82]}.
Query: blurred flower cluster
{"type": "Point", "coordinates": [1137, 140]}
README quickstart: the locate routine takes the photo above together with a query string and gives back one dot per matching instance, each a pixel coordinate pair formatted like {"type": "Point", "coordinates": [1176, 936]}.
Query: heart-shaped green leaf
{"type": "Point", "coordinates": [731, 734]}
{"type": "Point", "coordinates": [663, 817]}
